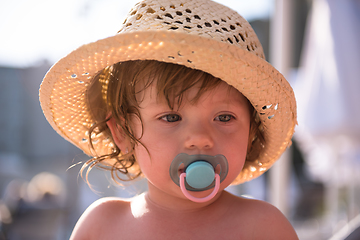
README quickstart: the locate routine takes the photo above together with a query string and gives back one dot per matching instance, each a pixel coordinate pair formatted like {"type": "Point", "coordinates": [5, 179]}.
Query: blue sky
{"type": "Point", "coordinates": [33, 31]}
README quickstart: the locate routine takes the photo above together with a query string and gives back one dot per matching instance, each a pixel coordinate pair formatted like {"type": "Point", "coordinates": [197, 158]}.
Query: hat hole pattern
{"type": "Point", "coordinates": [150, 10]}
{"type": "Point", "coordinates": [169, 15]}
{"type": "Point", "coordinates": [236, 39]}
{"type": "Point", "coordinates": [138, 16]}
{"type": "Point", "coordinates": [266, 107]}
{"type": "Point", "coordinates": [242, 37]}
{"type": "Point", "coordinates": [183, 17]}
{"type": "Point", "coordinates": [181, 55]}
{"type": "Point", "coordinates": [267, 110]}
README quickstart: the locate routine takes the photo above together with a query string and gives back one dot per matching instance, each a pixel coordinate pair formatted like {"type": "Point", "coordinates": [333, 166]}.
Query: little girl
{"type": "Point", "coordinates": [182, 96]}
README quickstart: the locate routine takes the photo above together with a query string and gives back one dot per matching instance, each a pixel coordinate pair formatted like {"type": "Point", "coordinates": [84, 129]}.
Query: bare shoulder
{"type": "Point", "coordinates": [265, 220]}
{"type": "Point", "coordinates": [98, 216]}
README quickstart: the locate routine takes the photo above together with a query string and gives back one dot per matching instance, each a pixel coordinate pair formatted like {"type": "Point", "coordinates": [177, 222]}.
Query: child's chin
{"type": "Point", "coordinates": [202, 194]}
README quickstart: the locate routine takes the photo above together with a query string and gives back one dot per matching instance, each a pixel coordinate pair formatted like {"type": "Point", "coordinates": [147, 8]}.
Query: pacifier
{"type": "Point", "coordinates": [197, 173]}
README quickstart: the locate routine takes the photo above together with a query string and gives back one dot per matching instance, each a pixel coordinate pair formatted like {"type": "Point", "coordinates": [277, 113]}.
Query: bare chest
{"type": "Point", "coordinates": [148, 228]}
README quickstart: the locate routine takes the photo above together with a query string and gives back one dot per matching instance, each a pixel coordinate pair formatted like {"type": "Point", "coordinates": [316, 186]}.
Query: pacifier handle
{"type": "Point", "coordinates": [195, 199]}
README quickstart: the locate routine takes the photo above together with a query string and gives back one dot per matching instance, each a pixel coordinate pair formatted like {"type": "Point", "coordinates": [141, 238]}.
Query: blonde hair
{"type": "Point", "coordinates": [120, 84]}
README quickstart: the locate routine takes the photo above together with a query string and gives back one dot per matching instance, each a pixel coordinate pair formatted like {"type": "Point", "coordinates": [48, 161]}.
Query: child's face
{"type": "Point", "coordinates": [218, 123]}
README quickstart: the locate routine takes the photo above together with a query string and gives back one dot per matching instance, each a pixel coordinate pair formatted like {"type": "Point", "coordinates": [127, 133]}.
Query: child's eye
{"type": "Point", "coordinates": [171, 118]}
{"type": "Point", "coordinates": [224, 118]}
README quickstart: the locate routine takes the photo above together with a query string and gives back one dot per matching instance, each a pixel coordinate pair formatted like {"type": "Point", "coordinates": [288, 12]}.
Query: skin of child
{"type": "Point", "coordinates": [218, 123]}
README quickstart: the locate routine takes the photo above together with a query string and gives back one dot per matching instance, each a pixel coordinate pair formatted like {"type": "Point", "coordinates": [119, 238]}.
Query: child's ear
{"type": "Point", "coordinates": [118, 135]}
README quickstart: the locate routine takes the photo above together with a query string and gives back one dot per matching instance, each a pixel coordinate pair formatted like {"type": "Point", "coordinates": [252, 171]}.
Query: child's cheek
{"type": "Point", "coordinates": [142, 157]}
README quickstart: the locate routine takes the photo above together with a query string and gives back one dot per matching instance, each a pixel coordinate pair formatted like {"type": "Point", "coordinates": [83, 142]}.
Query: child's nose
{"type": "Point", "coordinates": [199, 137]}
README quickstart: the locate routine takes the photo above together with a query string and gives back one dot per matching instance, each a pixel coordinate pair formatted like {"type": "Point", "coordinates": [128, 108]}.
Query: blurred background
{"type": "Point", "coordinates": [314, 43]}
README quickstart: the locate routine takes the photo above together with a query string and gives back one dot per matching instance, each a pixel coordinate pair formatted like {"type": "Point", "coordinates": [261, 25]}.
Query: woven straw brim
{"type": "Point", "coordinates": [64, 89]}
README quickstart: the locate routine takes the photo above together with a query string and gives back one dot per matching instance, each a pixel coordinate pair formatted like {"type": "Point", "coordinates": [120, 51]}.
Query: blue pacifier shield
{"type": "Point", "coordinates": [200, 174]}
{"type": "Point", "coordinates": [200, 170]}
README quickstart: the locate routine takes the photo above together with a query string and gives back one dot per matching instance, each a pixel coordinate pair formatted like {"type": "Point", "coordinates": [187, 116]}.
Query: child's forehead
{"type": "Point", "coordinates": [177, 85]}
{"type": "Point", "coordinates": [221, 92]}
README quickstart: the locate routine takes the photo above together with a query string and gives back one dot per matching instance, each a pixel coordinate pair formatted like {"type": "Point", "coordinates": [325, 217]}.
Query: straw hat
{"type": "Point", "coordinates": [199, 34]}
